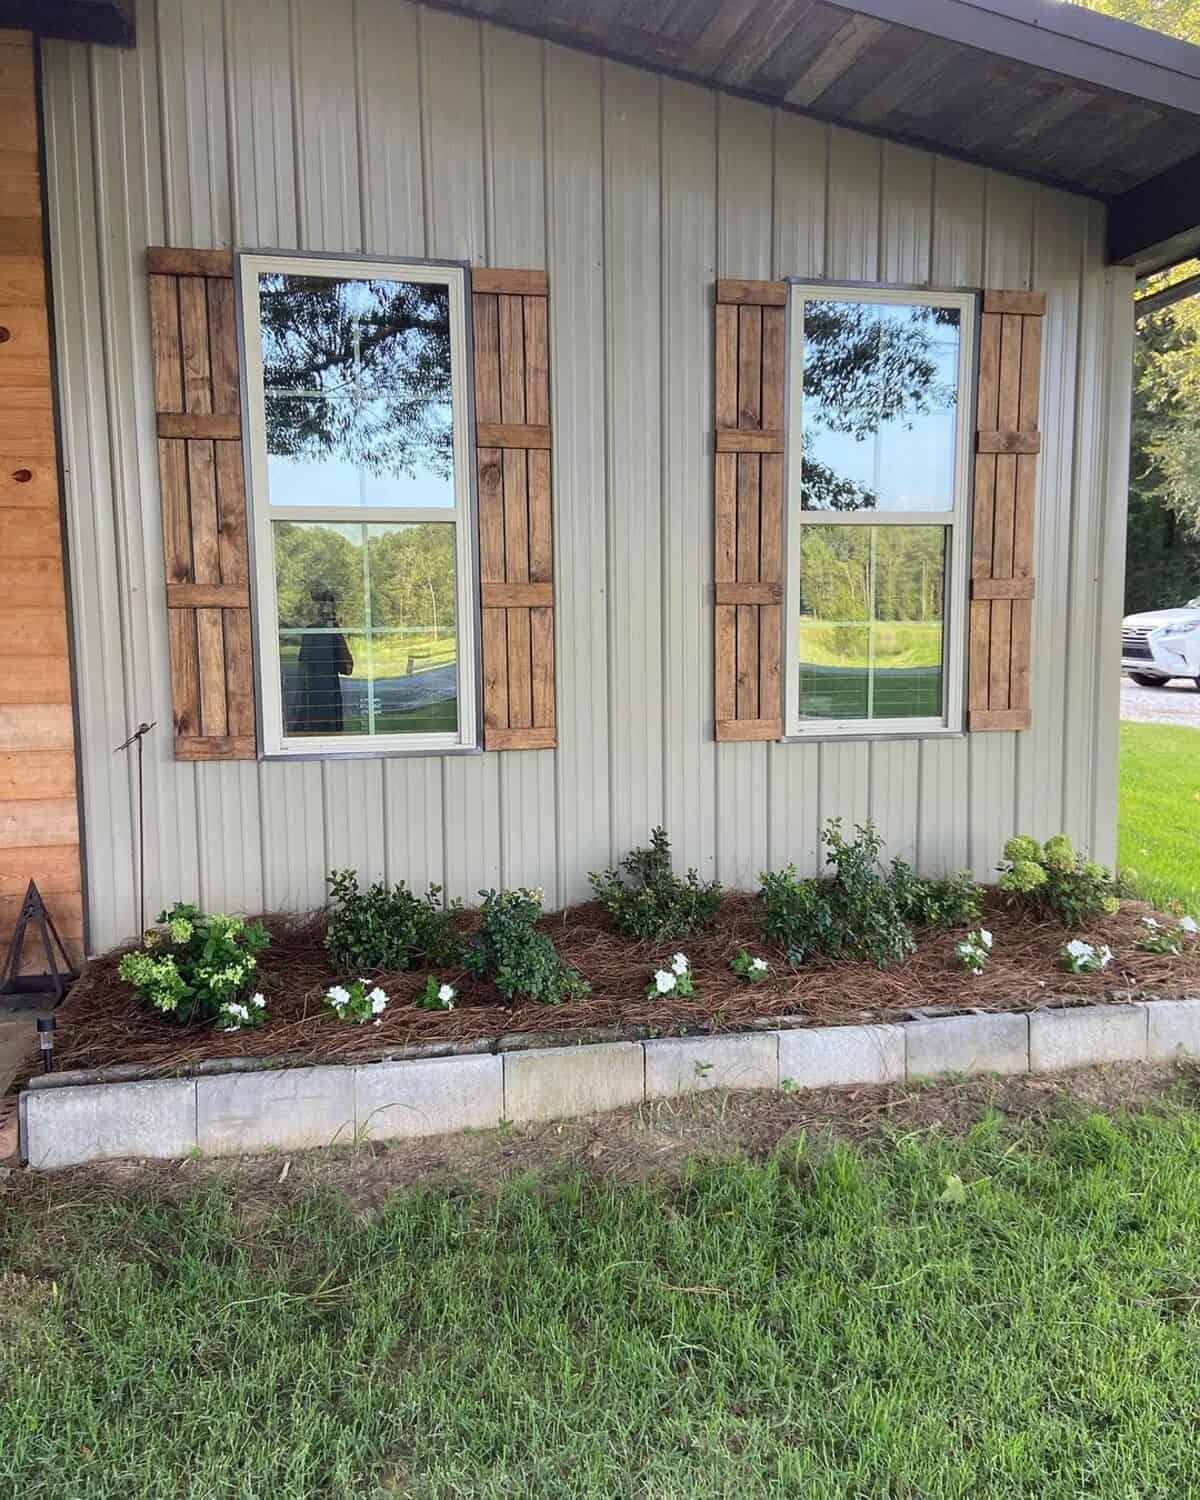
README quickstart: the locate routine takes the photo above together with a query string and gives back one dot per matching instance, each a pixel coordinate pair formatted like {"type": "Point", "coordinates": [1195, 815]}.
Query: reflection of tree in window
{"type": "Point", "coordinates": [865, 365]}
{"type": "Point", "coordinates": [363, 367]}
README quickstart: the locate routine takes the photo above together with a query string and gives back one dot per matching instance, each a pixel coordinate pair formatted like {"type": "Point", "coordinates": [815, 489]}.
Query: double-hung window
{"type": "Point", "coordinates": [878, 553]}
{"type": "Point", "coordinates": [360, 487]}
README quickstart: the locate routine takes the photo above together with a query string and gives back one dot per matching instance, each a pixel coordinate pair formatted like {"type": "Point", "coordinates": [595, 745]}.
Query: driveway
{"type": "Point", "coordinates": [1177, 703]}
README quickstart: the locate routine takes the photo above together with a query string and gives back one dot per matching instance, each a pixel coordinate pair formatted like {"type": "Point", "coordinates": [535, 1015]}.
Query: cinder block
{"type": "Point", "coordinates": [290, 1109]}
{"type": "Point", "coordinates": [434, 1096]}
{"type": "Point", "coordinates": [684, 1065]}
{"type": "Point", "coordinates": [1084, 1036]}
{"type": "Point", "coordinates": [968, 1044]}
{"type": "Point", "coordinates": [64, 1126]}
{"type": "Point", "coordinates": [1174, 1030]}
{"type": "Point", "coordinates": [554, 1083]}
{"type": "Point", "coordinates": [821, 1057]}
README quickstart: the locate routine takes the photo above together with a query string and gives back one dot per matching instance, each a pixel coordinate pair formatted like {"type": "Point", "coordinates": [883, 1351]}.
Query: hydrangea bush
{"type": "Point", "coordinates": [1158, 938]}
{"type": "Point", "coordinates": [1079, 957]}
{"type": "Point", "coordinates": [193, 963]}
{"type": "Point", "coordinates": [521, 961]}
{"type": "Point", "coordinates": [355, 1002]}
{"type": "Point", "coordinates": [752, 970]}
{"type": "Point", "coordinates": [1051, 880]}
{"type": "Point", "coordinates": [676, 979]}
{"type": "Point", "coordinates": [974, 950]}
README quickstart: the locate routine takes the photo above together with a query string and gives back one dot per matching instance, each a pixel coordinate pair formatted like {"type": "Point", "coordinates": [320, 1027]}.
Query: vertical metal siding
{"type": "Point", "coordinates": [375, 125]}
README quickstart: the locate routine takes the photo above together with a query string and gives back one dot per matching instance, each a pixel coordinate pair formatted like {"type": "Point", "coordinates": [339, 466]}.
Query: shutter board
{"type": "Point", "coordinates": [510, 319]}
{"type": "Point", "coordinates": [751, 341]}
{"type": "Point", "coordinates": [203, 495]}
{"type": "Point", "coordinates": [1008, 441]}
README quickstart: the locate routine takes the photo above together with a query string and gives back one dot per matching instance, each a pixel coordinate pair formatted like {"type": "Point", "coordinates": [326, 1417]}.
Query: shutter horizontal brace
{"type": "Point", "coordinates": [517, 595]}
{"type": "Point", "coordinates": [1030, 304]}
{"type": "Point", "coordinates": [511, 435]}
{"type": "Point", "coordinates": [214, 747]}
{"type": "Point", "coordinates": [752, 293]}
{"type": "Point", "coordinates": [538, 738]}
{"type": "Point", "coordinates": [1009, 442]}
{"type": "Point", "coordinates": [510, 283]}
{"type": "Point", "coordinates": [749, 593]}
{"type": "Point", "coordinates": [1002, 588]}
{"type": "Point", "coordinates": [999, 718]}
{"type": "Point", "coordinates": [749, 729]}
{"type": "Point", "coordinates": [169, 260]}
{"type": "Point", "coordinates": [747, 440]}
{"type": "Point", "coordinates": [208, 596]}
{"type": "Point", "coordinates": [199, 424]}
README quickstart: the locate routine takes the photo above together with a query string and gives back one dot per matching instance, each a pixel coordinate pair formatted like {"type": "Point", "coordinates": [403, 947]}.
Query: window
{"type": "Point", "coordinates": [361, 494]}
{"type": "Point", "coordinates": [880, 424]}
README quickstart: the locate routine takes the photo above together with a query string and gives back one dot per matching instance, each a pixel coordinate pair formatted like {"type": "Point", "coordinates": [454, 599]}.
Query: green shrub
{"type": "Point", "coordinates": [650, 902]}
{"type": "Point", "coordinates": [388, 927]}
{"type": "Point", "coordinates": [192, 965]}
{"type": "Point", "coordinates": [1052, 881]}
{"type": "Point", "coordinates": [854, 914]}
{"type": "Point", "coordinates": [521, 961]}
{"type": "Point", "coordinates": [949, 901]}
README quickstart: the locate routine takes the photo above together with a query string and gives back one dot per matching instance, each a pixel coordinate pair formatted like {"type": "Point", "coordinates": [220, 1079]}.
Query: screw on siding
{"type": "Point", "coordinates": [136, 738]}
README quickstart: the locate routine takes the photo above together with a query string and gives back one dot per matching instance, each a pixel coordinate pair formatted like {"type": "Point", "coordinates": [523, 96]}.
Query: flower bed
{"type": "Point", "coordinates": [102, 1024]}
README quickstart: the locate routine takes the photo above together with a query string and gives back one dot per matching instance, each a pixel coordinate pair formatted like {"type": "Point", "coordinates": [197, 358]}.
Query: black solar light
{"type": "Point", "coordinates": [45, 1031]}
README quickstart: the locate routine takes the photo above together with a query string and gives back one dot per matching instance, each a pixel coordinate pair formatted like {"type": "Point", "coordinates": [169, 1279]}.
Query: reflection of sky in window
{"type": "Point", "coordinates": [908, 462]}
{"type": "Point", "coordinates": [335, 481]}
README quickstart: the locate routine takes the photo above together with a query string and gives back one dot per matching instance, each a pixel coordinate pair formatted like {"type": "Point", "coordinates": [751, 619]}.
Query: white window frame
{"type": "Point", "coordinates": [263, 513]}
{"type": "Point", "coordinates": [956, 520]}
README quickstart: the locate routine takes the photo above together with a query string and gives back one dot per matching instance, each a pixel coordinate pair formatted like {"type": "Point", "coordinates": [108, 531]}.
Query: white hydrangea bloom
{"type": "Point", "coordinates": [985, 937]}
{"type": "Point", "coordinates": [1151, 922]}
{"type": "Point", "coordinates": [1105, 956]}
{"type": "Point", "coordinates": [679, 964]}
{"type": "Point", "coordinates": [257, 1001]}
{"type": "Point", "coordinates": [378, 1001]}
{"type": "Point", "coordinates": [337, 996]}
{"type": "Point", "coordinates": [1077, 948]}
{"type": "Point", "coordinates": [1188, 925]}
{"type": "Point", "coordinates": [664, 981]}
{"type": "Point", "coordinates": [446, 994]}
{"type": "Point", "coordinates": [758, 965]}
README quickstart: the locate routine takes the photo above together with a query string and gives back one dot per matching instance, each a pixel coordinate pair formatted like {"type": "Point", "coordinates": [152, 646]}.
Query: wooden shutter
{"type": "Point", "coordinates": [1007, 444]}
{"type": "Point", "coordinates": [516, 541]}
{"type": "Point", "coordinates": [194, 332]}
{"type": "Point", "coordinates": [751, 340]}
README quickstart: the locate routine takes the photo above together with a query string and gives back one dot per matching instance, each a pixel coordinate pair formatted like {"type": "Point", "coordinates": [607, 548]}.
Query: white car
{"type": "Point", "coordinates": [1161, 644]}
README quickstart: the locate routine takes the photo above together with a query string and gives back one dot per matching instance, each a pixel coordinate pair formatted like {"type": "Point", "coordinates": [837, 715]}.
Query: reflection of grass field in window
{"type": "Point", "coordinates": [839, 662]}
{"type": "Point", "coordinates": [389, 655]}
{"type": "Point", "coordinates": [850, 643]}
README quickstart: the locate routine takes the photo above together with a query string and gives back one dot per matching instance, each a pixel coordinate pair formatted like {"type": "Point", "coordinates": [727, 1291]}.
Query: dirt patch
{"type": "Point", "coordinates": [650, 1141]}
{"type": "Point", "coordinates": [101, 1024]}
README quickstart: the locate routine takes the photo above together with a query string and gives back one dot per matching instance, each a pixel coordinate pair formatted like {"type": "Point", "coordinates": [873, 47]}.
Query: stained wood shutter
{"type": "Point", "coordinates": [194, 332]}
{"type": "Point", "coordinates": [516, 540]}
{"type": "Point", "coordinates": [750, 373]}
{"type": "Point", "coordinates": [1002, 543]}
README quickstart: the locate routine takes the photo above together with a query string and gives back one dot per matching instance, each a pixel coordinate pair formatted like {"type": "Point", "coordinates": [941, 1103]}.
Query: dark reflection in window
{"type": "Point", "coordinates": [357, 391]}
{"type": "Point", "coordinates": [879, 410]}
{"type": "Point", "coordinates": [871, 616]}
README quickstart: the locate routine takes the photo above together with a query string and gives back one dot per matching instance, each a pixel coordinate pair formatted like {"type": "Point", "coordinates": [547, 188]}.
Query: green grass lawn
{"type": "Point", "coordinates": [1158, 830]}
{"type": "Point", "coordinates": [1013, 1312]}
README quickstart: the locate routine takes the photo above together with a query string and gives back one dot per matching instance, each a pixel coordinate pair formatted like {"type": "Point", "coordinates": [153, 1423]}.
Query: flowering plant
{"type": "Point", "coordinates": [237, 1015]}
{"type": "Point", "coordinates": [676, 979]}
{"type": "Point", "coordinates": [354, 1002]}
{"type": "Point", "coordinates": [1079, 957]}
{"type": "Point", "coordinates": [192, 963]}
{"type": "Point", "coordinates": [1051, 878]}
{"type": "Point", "coordinates": [436, 995]}
{"type": "Point", "coordinates": [1160, 939]}
{"type": "Point", "coordinates": [752, 970]}
{"type": "Point", "coordinates": [974, 950]}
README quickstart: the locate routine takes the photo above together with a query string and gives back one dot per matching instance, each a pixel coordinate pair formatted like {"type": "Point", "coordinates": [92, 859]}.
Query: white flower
{"type": "Point", "coordinates": [377, 1022]}
{"type": "Point", "coordinates": [1077, 948]}
{"type": "Point", "coordinates": [1105, 957]}
{"type": "Point", "coordinates": [257, 1001]}
{"type": "Point", "coordinates": [378, 1000]}
{"type": "Point", "coordinates": [664, 981]}
{"type": "Point", "coordinates": [337, 996]}
{"type": "Point", "coordinates": [446, 994]}
{"type": "Point", "coordinates": [1150, 922]}
{"type": "Point", "coordinates": [985, 937]}
{"type": "Point", "coordinates": [759, 965]}
{"type": "Point", "coordinates": [679, 964]}
{"type": "Point", "coordinates": [1188, 925]}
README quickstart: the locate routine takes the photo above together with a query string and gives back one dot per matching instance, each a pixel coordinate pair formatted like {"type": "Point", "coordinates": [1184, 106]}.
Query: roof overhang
{"type": "Point", "coordinates": [1037, 88]}
{"type": "Point", "coordinates": [107, 21]}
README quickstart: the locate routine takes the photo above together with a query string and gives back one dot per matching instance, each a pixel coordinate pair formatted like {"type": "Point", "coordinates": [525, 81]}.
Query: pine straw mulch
{"type": "Point", "coordinates": [101, 1025]}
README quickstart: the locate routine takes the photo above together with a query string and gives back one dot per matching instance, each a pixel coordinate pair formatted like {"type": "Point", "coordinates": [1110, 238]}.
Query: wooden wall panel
{"type": "Point", "coordinates": [39, 824]}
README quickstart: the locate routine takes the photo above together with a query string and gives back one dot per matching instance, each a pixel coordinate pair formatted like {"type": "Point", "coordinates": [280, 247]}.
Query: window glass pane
{"type": "Point", "coordinates": [871, 612]}
{"type": "Point", "coordinates": [357, 394]}
{"type": "Point", "coordinates": [880, 406]}
{"type": "Point", "coordinates": [367, 628]}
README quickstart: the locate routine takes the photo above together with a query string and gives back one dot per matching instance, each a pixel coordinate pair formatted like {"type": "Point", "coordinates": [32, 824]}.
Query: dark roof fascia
{"type": "Point", "coordinates": [106, 22]}
{"type": "Point", "coordinates": [1157, 223]}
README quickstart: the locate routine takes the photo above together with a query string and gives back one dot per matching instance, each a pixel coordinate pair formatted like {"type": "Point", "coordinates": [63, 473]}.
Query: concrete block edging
{"type": "Point", "coordinates": [298, 1108]}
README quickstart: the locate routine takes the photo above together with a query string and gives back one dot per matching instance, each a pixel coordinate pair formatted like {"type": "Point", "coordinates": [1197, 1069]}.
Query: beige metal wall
{"type": "Point", "coordinates": [381, 127]}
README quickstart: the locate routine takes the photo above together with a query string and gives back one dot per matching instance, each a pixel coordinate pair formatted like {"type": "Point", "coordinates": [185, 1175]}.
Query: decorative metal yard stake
{"type": "Point", "coordinates": [136, 738]}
